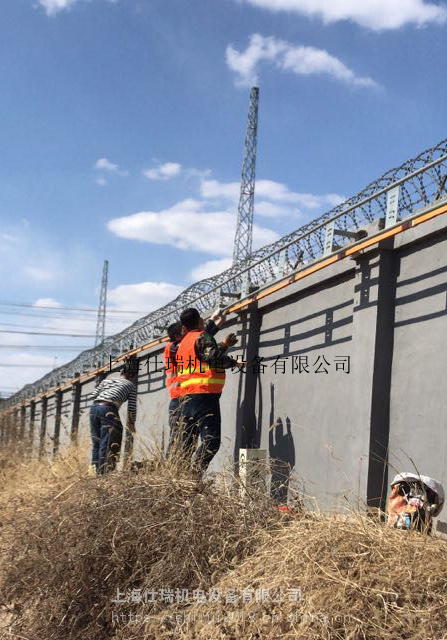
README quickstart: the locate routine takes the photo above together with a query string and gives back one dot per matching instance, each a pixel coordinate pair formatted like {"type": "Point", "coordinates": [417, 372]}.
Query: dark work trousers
{"type": "Point", "coordinates": [107, 433]}
{"type": "Point", "coordinates": [174, 419]}
{"type": "Point", "coordinates": [200, 416]}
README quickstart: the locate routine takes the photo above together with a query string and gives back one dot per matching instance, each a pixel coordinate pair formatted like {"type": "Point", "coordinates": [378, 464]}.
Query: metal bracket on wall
{"type": "Point", "coordinates": [330, 231]}
{"type": "Point", "coordinates": [245, 287]}
{"type": "Point", "coordinates": [226, 294]}
{"type": "Point", "coordinates": [157, 331]}
{"type": "Point", "coordinates": [392, 205]}
{"type": "Point", "coordinates": [282, 263]}
{"type": "Point", "coordinates": [329, 238]}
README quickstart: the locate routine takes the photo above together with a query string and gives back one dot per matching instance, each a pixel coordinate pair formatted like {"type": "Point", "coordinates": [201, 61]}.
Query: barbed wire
{"type": "Point", "coordinates": [421, 180]}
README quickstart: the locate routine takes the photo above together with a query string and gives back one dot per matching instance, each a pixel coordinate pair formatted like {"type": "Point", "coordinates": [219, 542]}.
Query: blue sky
{"type": "Point", "coordinates": [122, 127]}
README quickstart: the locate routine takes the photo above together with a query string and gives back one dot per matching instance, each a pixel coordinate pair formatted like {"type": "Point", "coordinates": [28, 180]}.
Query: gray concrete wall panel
{"type": "Point", "coordinates": [300, 413]}
{"type": "Point", "coordinates": [418, 399]}
{"type": "Point", "coordinates": [66, 414]}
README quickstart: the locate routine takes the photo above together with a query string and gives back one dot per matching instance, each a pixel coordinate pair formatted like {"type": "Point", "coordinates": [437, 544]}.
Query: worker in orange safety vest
{"type": "Point", "coordinates": [169, 355]}
{"type": "Point", "coordinates": [175, 332]}
{"type": "Point", "coordinates": [200, 379]}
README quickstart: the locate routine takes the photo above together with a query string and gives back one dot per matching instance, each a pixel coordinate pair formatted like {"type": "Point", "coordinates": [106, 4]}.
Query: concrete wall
{"type": "Point", "coordinates": [66, 416]}
{"type": "Point", "coordinates": [28, 435]}
{"type": "Point", "coordinates": [386, 312]}
{"type": "Point", "coordinates": [300, 411]}
{"type": "Point", "coordinates": [37, 427]}
{"type": "Point", "coordinates": [418, 392]}
{"type": "Point", "coordinates": [151, 429]}
{"type": "Point", "coordinates": [50, 427]}
{"type": "Point", "coordinates": [84, 437]}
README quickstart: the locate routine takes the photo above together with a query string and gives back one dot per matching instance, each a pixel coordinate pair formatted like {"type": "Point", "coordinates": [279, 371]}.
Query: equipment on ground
{"type": "Point", "coordinates": [414, 501]}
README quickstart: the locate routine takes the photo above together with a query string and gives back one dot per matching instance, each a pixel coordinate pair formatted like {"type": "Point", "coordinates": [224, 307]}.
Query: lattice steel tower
{"type": "Point", "coordinates": [244, 229]}
{"type": "Point", "coordinates": [101, 322]}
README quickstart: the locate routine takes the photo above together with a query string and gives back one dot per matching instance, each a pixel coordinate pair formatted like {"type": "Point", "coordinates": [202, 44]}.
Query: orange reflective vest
{"type": "Point", "coordinates": [171, 372]}
{"type": "Point", "coordinates": [197, 376]}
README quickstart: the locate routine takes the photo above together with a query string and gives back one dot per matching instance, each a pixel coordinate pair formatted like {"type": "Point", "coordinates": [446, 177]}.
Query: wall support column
{"type": "Point", "coordinates": [248, 435]}
{"type": "Point", "coordinates": [43, 426]}
{"type": "Point", "coordinates": [373, 335]}
{"type": "Point", "coordinates": [57, 423]}
{"type": "Point", "coordinates": [32, 419]}
{"type": "Point", "coordinates": [22, 422]}
{"type": "Point", "coordinates": [76, 403]}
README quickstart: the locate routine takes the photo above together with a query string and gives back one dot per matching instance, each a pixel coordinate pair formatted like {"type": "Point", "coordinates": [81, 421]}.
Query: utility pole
{"type": "Point", "coordinates": [244, 228]}
{"type": "Point", "coordinates": [101, 322]}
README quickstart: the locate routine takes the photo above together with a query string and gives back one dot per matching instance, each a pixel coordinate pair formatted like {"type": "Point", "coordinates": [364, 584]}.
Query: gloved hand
{"type": "Point", "coordinates": [229, 340]}
{"type": "Point", "coordinates": [218, 316]}
{"type": "Point", "coordinates": [240, 363]}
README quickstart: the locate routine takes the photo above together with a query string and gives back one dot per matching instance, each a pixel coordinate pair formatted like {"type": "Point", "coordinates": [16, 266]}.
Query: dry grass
{"type": "Point", "coordinates": [77, 539]}
{"type": "Point", "coordinates": [75, 545]}
{"type": "Point", "coordinates": [358, 580]}
{"type": "Point", "coordinates": [22, 476]}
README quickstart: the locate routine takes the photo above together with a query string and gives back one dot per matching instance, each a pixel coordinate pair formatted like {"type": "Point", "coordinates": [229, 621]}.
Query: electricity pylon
{"type": "Point", "coordinates": [101, 322]}
{"type": "Point", "coordinates": [244, 229]}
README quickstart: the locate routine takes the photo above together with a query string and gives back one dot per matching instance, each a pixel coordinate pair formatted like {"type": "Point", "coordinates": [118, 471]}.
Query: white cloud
{"type": "Point", "coordinates": [7, 239]}
{"type": "Point", "coordinates": [147, 296]}
{"type": "Point", "coordinates": [197, 173]}
{"type": "Point", "coordinates": [102, 164]}
{"type": "Point", "coordinates": [270, 196]}
{"type": "Point", "coordinates": [163, 171]}
{"type": "Point", "coordinates": [267, 209]}
{"type": "Point", "coordinates": [39, 274]}
{"type": "Point", "coordinates": [47, 302]}
{"type": "Point", "coordinates": [17, 374]}
{"type": "Point", "coordinates": [106, 165]}
{"type": "Point", "coordinates": [210, 268]}
{"type": "Point", "coordinates": [52, 7]}
{"type": "Point", "coordinates": [101, 181]}
{"type": "Point", "coordinates": [279, 192]}
{"type": "Point", "coordinates": [208, 224]}
{"type": "Point", "coordinates": [373, 14]}
{"type": "Point", "coordinates": [215, 190]}
{"type": "Point", "coordinates": [245, 63]}
{"type": "Point", "coordinates": [288, 57]}
{"type": "Point", "coordinates": [188, 225]}
{"type": "Point", "coordinates": [221, 191]}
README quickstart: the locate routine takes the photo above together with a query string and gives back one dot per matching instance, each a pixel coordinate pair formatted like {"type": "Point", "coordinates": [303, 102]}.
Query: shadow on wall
{"type": "Point", "coordinates": [281, 453]}
{"type": "Point", "coordinates": [247, 430]}
{"type": "Point", "coordinates": [288, 345]}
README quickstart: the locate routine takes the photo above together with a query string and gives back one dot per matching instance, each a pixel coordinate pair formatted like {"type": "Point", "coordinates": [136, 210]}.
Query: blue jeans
{"type": "Point", "coordinates": [200, 416]}
{"type": "Point", "coordinates": [174, 419]}
{"type": "Point", "coordinates": [107, 432]}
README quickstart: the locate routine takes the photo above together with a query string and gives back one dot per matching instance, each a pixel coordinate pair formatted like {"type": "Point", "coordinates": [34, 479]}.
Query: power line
{"type": "Point", "coordinates": [33, 306]}
{"type": "Point", "coordinates": [45, 333]}
{"type": "Point", "coordinates": [30, 326]}
{"type": "Point", "coordinates": [66, 317]}
{"type": "Point", "coordinates": [46, 346]}
{"type": "Point", "coordinates": [28, 366]}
